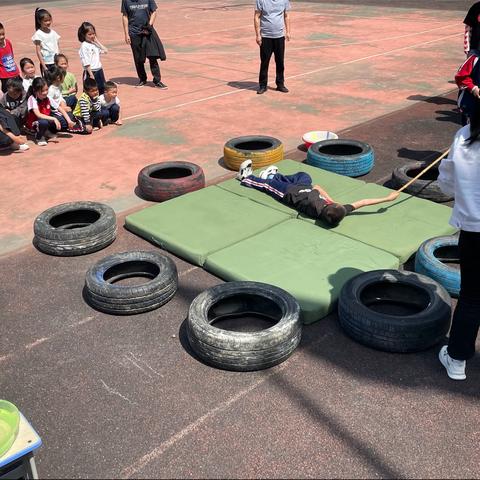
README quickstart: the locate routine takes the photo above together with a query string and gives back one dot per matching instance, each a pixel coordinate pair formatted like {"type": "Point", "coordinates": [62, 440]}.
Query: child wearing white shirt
{"type": "Point", "coordinates": [28, 72]}
{"type": "Point", "coordinates": [45, 39]}
{"type": "Point", "coordinates": [110, 104]}
{"type": "Point", "coordinates": [90, 50]}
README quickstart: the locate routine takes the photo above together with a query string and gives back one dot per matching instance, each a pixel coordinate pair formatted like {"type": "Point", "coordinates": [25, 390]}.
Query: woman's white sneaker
{"type": "Point", "coordinates": [41, 142]}
{"type": "Point", "coordinates": [455, 368]}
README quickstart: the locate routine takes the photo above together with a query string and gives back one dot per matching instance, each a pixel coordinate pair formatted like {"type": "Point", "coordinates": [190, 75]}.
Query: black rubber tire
{"type": "Point", "coordinates": [261, 149]}
{"type": "Point", "coordinates": [244, 351]}
{"type": "Point", "coordinates": [427, 263]}
{"type": "Point", "coordinates": [162, 181]}
{"type": "Point", "coordinates": [425, 187]}
{"type": "Point", "coordinates": [109, 297]}
{"type": "Point", "coordinates": [345, 157]}
{"type": "Point", "coordinates": [75, 228]}
{"type": "Point", "coordinates": [389, 332]}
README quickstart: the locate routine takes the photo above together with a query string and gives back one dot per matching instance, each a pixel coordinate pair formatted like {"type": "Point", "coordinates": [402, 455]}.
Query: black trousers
{"type": "Point", "coordinates": [136, 44]}
{"type": "Point", "coordinates": [277, 47]}
{"type": "Point", "coordinates": [466, 318]}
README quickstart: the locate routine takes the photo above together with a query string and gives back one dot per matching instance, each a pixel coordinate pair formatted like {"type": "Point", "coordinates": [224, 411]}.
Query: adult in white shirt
{"type": "Point", "coordinates": [459, 176]}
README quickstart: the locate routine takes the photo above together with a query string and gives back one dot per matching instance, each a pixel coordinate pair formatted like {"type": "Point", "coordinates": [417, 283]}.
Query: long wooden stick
{"type": "Point", "coordinates": [428, 167]}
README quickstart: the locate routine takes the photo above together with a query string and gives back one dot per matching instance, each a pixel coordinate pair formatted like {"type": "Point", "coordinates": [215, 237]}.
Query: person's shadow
{"type": "Point", "coordinates": [125, 80]}
{"type": "Point", "coordinates": [241, 85]}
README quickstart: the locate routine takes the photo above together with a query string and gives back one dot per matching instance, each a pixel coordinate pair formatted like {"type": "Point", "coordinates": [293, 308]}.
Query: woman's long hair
{"type": "Point", "coordinates": [474, 123]}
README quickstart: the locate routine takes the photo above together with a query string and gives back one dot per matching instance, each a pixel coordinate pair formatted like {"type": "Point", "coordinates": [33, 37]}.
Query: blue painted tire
{"type": "Point", "coordinates": [427, 263]}
{"type": "Point", "coordinates": [345, 157]}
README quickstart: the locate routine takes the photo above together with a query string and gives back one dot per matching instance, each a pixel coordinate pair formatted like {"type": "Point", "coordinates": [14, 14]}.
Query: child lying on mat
{"type": "Point", "coordinates": [297, 191]}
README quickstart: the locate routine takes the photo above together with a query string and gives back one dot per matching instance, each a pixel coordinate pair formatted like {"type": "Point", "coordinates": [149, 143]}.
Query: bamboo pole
{"type": "Point", "coordinates": [428, 167]}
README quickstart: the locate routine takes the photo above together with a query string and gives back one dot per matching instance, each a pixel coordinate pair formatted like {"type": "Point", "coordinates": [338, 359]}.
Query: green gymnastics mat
{"type": "Point", "coordinates": [196, 224]}
{"type": "Point", "coordinates": [398, 227]}
{"type": "Point", "coordinates": [333, 183]}
{"type": "Point", "coordinates": [309, 262]}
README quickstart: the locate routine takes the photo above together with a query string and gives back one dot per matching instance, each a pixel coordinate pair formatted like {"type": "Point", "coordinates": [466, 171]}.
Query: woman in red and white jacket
{"type": "Point", "coordinates": [459, 176]}
{"type": "Point", "coordinates": [467, 79]}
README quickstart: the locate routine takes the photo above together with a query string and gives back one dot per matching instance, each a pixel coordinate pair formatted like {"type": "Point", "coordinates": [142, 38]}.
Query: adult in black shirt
{"type": "Point", "coordinates": [138, 17]}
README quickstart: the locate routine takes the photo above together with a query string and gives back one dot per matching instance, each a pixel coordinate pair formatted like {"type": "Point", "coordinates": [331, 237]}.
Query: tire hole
{"type": "Point", "coordinates": [254, 145]}
{"type": "Point", "coordinates": [131, 273]}
{"type": "Point", "coordinates": [170, 173]}
{"type": "Point", "coordinates": [431, 174]}
{"type": "Point", "coordinates": [74, 219]}
{"type": "Point", "coordinates": [448, 254]}
{"type": "Point", "coordinates": [396, 299]}
{"type": "Point", "coordinates": [340, 150]}
{"type": "Point", "coordinates": [244, 313]}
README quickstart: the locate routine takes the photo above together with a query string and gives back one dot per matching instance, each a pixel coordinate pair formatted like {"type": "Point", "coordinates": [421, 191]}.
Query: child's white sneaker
{"type": "Point", "coordinates": [271, 170]}
{"type": "Point", "coordinates": [19, 148]}
{"type": "Point", "coordinates": [41, 142]}
{"type": "Point", "coordinates": [455, 368]}
{"type": "Point", "coordinates": [245, 170]}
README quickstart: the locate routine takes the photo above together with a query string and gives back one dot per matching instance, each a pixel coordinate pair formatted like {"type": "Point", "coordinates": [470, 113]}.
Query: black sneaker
{"type": "Point", "coordinates": [160, 85]}
{"type": "Point", "coordinates": [261, 90]}
{"type": "Point", "coordinates": [282, 88]}
{"type": "Point", "coordinates": [141, 83]}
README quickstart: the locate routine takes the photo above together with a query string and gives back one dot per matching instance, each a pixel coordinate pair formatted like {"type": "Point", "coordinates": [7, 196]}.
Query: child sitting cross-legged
{"type": "Point", "coordinates": [59, 107]}
{"type": "Point", "coordinates": [88, 109]}
{"type": "Point", "coordinates": [69, 85]}
{"type": "Point", "coordinates": [110, 104]}
{"type": "Point", "coordinates": [39, 117]}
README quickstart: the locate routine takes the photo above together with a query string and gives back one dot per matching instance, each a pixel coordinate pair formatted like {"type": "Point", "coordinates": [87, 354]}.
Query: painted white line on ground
{"type": "Point", "coordinates": [330, 67]}
{"type": "Point", "coordinates": [39, 341]}
{"type": "Point", "coordinates": [135, 467]}
{"type": "Point", "coordinates": [313, 47]}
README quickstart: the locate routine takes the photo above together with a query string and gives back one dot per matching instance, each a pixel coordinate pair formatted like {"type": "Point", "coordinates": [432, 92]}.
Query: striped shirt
{"type": "Point", "coordinates": [85, 107]}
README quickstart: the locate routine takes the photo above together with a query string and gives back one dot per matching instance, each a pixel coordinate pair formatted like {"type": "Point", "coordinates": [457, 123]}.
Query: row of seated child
{"type": "Point", "coordinates": [43, 106]}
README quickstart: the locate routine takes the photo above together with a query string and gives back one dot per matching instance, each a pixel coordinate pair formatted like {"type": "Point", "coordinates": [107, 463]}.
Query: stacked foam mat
{"type": "Point", "coordinates": [238, 233]}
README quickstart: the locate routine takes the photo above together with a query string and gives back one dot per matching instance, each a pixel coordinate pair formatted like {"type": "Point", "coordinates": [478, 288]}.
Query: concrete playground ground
{"type": "Point", "coordinates": [125, 397]}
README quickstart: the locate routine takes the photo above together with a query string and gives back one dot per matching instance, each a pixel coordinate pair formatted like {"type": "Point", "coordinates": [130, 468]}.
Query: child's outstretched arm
{"type": "Point", "coordinates": [373, 201]}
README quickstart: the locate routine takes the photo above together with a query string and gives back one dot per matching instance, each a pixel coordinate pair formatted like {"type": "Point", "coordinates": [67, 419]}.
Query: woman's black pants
{"type": "Point", "coordinates": [466, 319]}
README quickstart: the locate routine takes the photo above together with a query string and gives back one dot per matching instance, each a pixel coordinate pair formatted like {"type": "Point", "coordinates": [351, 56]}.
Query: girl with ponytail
{"type": "Point", "coordinates": [45, 39]}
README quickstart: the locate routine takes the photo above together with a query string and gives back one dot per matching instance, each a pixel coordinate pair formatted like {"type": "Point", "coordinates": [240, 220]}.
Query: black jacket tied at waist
{"type": "Point", "coordinates": [151, 46]}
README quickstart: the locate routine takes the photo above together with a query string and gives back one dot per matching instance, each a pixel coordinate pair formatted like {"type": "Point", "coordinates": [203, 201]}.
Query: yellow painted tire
{"type": "Point", "coordinates": [262, 150]}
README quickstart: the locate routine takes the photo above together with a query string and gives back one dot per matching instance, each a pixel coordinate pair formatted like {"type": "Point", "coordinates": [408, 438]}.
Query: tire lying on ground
{"type": "Point", "coordinates": [162, 181]}
{"type": "Point", "coordinates": [242, 302]}
{"type": "Point", "coordinates": [394, 311]}
{"type": "Point", "coordinates": [439, 258]}
{"type": "Point", "coordinates": [103, 292]}
{"type": "Point", "coordinates": [345, 157]}
{"type": "Point", "coordinates": [262, 150]}
{"type": "Point", "coordinates": [425, 187]}
{"type": "Point", "coordinates": [75, 228]}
